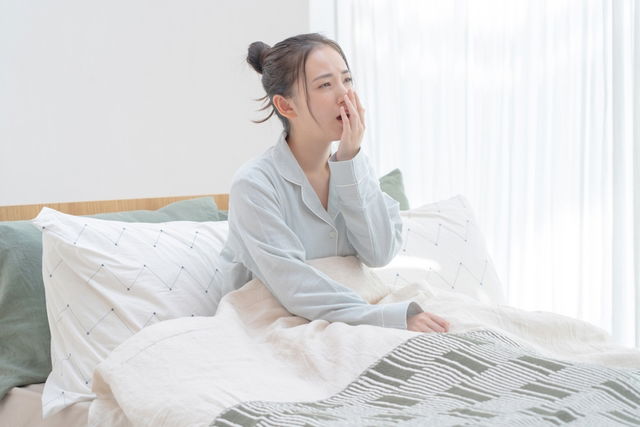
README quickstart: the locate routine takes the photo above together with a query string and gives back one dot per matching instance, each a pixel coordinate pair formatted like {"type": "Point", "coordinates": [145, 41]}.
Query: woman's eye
{"type": "Point", "coordinates": [348, 79]}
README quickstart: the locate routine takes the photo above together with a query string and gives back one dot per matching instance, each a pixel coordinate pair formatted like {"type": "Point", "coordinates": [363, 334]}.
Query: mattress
{"type": "Point", "coordinates": [22, 407]}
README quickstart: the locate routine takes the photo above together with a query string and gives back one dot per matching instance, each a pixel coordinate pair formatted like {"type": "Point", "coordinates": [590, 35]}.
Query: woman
{"type": "Point", "coordinates": [297, 201]}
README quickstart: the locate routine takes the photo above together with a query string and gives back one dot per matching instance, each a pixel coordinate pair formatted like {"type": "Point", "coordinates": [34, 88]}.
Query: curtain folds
{"type": "Point", "coordinates": [531, 110]}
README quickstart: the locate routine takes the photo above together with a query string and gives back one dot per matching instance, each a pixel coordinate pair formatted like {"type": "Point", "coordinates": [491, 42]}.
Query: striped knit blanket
{"type": "Point", "coordinates": [479, 377]}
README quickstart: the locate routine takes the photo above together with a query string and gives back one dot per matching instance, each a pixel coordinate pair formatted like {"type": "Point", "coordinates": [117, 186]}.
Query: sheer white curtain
{"type": "Point", "coordinates": [530, 109]}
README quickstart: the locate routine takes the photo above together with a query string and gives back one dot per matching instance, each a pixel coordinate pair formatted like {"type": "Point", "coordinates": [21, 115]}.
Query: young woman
{"type": "Point", "coordinates": [297, 201]}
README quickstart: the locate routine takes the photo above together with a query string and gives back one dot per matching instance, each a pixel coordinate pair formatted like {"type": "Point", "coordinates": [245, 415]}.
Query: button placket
{"type": "Point", "coordinates": [333, 235]}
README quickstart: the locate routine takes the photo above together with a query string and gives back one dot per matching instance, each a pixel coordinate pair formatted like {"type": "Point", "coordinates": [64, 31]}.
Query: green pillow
{"type": "Point", "coordinates": [24, 329]}
{"type": "Point", "coordinates": [392, 184]}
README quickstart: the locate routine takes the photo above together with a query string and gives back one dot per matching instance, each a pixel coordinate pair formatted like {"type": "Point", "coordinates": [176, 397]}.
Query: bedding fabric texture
{"type": "Point", "coordinates": [497, 382]}
{"type": "Point", "coordinates": [24, 331]}
{"type": "Point", "coordinates": [189, 371]}
{"type": "Point", "coordinates": [105, 280]}
{"type": "Point", "coordinates": [22, 407]}
{"type": "Point", "coordinates": [443, 245]}
{"type": "Point", "coordinates": [393, 184]}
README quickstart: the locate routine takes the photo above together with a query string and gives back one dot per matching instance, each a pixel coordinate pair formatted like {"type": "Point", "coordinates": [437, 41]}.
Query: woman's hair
{"type": "Point", "coordinates": [282, 64]}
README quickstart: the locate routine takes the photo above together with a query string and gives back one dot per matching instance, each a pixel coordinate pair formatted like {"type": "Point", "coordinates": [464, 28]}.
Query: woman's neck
{"type": "Point", "coordinates": [312, 155]}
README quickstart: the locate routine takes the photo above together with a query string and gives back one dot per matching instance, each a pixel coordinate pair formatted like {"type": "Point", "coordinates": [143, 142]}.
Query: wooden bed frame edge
{"type": "Point", "coordinates": [26, 212]}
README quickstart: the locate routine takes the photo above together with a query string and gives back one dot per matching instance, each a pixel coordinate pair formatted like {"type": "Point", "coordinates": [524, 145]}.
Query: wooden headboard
{"type": "Point", "coordinates": [18, 212]}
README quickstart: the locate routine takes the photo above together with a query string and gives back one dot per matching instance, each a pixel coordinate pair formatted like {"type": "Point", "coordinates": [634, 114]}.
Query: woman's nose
{"type": "Point", "coordinates": [342, 94]}
{"type": "Point", "coordinates": [342, 89]}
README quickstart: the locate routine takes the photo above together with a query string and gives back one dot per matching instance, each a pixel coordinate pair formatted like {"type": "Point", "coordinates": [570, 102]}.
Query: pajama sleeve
{"type": "Point", "coordinates": [374, 226]}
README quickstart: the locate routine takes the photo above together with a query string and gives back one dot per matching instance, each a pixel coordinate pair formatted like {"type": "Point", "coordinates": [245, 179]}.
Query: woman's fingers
{"type": "Point", "coordinates": [355, 116]}
{"type": "Point", "coordinates": [352, 127]}
{"type": "Point", "coordinates": [430, 326]}
{"type": "Point", "coordinates": [427, 322]}
{"type": "Point", "coordinates": [433, 325]}
{"type": "Point", "coordinates": [359, 106]}
{"type": "Point", "coordinates": [440, 321]}
{"type": "Point", "coordinates": [346, 126]}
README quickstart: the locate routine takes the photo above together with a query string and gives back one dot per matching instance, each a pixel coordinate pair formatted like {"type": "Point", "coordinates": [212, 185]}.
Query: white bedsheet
{"type": "Point", "coordinates": [184, 372]}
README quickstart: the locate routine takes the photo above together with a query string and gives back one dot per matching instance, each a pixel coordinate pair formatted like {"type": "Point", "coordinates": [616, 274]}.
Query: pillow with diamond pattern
{"type": "Point", "coordinates": [443, 245]}
{"type": "Point", "coordinates": [24, 331]}
{"type": "Point", "coordinates": [106, 280]}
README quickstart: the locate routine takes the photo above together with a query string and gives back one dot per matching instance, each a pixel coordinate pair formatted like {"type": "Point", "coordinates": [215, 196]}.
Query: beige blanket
{"type": "Point", "coordinates": [186, 371]}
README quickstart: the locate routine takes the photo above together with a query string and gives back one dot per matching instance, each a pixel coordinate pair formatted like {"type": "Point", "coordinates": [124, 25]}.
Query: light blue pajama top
{"type": "Point", "coordinates": [276, 222]}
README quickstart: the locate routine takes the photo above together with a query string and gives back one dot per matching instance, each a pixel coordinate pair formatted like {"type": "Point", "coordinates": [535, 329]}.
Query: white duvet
{"type": "Point", "coordinates": [184, 372]}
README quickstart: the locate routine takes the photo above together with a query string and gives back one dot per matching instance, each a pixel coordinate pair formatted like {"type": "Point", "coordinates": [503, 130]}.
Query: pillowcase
{"type": "Point", "coordinates": [443, 245]}
{"type": "Point", "coordinates": [393, 185]}
{"type": "Point", "coordinates": [24, 331]}
{"type": "Point", "coordinates": [106, 280]}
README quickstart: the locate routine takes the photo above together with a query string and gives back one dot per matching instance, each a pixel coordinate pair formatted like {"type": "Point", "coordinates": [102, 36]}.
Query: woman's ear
{"type": "Point", "coordinates": [285, 107]}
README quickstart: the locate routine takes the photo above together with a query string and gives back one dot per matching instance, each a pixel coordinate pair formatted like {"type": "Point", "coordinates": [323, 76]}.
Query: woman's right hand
{"type": "Point", "coordinates": [427, 322]}
{"type": "Point", "coordinates": [352, 127]}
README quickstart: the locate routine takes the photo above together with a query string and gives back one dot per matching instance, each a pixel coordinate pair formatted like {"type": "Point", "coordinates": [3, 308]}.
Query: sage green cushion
{"type": "Point", "coordinates": [393, 185]}
{"type": "Point", "coordinates": [24, 329]}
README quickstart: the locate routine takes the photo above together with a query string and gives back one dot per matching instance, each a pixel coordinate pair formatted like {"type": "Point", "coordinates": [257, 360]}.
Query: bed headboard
{"type": "Point", "coordinates": [21, 212]}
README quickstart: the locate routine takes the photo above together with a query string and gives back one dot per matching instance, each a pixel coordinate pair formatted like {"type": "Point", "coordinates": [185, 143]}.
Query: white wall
{"type": "Point", "coordinates": [120, 99]}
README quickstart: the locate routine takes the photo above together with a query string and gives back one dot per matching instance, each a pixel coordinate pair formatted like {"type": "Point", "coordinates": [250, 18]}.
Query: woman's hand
{"type": "Point", "coordinates": [427, 322]}
{"type": "Point", "coordinates": [352, 127]}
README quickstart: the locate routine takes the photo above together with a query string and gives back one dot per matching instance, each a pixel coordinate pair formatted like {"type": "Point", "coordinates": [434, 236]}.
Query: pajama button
{"type": "Point", "coordinates": [332, 234]}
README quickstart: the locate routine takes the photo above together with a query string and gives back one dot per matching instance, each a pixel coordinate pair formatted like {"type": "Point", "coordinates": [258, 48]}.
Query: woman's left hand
{"type": "Point", "coordinates": [352, 127]}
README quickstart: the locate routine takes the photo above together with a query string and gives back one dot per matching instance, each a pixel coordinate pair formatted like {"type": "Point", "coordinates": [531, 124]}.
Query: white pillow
{"type": "Point", "coordinates": [106, 280]}
{"type": "Point", "coordinates": [444, 246]}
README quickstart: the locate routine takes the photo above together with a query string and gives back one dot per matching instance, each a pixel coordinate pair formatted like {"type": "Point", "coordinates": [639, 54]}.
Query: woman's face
{"type": "Point", "coordinates": [327, 83]}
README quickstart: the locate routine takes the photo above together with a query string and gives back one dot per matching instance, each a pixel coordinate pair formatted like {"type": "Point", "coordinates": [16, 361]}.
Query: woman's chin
{"type": "Point", "coordinates": [333, 131]}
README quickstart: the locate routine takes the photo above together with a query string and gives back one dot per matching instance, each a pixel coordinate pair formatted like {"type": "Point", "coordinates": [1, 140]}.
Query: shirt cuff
{"type": "Point", "coordinates": [395, 315]}
{"type": "Point", "coordinates": [349, 172]}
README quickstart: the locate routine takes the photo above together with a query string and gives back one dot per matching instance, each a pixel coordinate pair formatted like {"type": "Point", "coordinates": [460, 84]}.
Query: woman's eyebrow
{"type": "Point", "coordinates": [328, 75]}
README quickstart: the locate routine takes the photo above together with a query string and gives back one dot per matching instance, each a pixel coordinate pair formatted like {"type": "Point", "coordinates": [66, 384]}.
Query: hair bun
{"type": "Point", "coordinates": [256, 54]}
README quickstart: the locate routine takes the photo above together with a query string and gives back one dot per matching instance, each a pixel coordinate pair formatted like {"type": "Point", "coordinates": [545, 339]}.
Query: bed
{"type": "Point", "coordinates": [22, 405]}
{"type": "Point", "coordinates": [253, 363]}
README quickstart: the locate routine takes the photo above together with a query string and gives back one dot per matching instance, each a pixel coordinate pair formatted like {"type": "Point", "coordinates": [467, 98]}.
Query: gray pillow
{"type": "Point", "coordinates": [24, 329]}
{"type": "Point", "coordinates": [393, 185]}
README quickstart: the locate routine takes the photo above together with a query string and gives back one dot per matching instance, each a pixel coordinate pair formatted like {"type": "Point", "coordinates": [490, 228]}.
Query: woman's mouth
{"type": "Point", "coordinates": [340, 117]}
